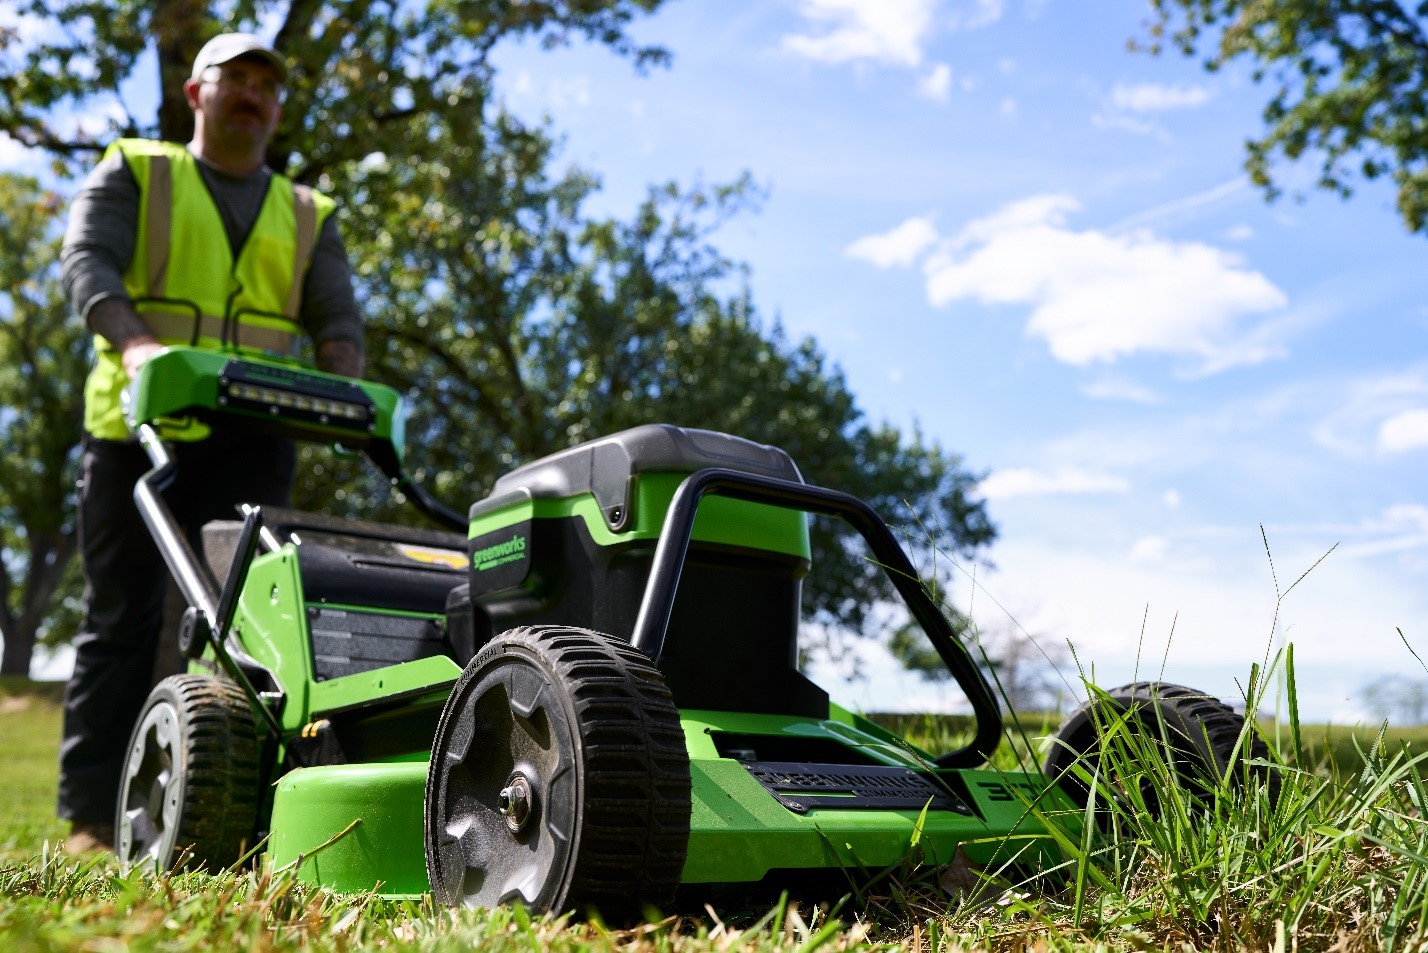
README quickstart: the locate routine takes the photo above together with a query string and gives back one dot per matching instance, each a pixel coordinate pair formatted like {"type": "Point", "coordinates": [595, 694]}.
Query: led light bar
{"type": "Point", "coordinates": [296, 396]}
{"type": "Point", "coordinates": [278, 400]}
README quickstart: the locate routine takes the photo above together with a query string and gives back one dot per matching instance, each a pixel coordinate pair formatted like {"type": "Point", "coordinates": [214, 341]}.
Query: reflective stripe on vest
{"type": "Point", "coordinates": [184, 279]}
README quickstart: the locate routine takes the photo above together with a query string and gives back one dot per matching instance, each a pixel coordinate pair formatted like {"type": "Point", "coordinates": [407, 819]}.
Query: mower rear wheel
{"type": "Point", "coordinates": [188, 791]}
{"type": "Point", "coordinates": [559, 778]}
{"type": "Point", "coordinates": [1196, 736]}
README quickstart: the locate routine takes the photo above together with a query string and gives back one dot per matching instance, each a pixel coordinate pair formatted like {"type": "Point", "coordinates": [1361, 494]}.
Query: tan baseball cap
{"type": "Point", "coordinates": [226, 47]}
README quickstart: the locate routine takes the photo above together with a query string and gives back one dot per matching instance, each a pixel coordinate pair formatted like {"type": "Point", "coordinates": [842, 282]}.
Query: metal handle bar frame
{"type": "Point", "coordinates": [195, 582]}
{"type": "Point", "coordinates": [652, 623]}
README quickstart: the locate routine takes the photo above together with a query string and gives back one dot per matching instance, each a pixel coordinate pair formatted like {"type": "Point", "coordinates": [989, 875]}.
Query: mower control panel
{"type": "Point", "coordinates": [182, 385]}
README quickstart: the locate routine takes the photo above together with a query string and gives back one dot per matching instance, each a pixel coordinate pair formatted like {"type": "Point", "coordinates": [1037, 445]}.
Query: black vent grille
{"type": "Point", "coordinates": [346, 643]}
{"type": "Point", "coordinates": [802, 787]}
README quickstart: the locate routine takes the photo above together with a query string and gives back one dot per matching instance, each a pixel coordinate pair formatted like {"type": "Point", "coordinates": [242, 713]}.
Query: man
{"type": "Point", "coordinates": [202, 245]}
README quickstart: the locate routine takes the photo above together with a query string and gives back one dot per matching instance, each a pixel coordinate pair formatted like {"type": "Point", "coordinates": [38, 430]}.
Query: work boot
{"type": "Point", "coordinates": [89, 838]}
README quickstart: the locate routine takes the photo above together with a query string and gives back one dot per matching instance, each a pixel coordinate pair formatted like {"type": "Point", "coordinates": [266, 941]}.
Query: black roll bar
{"type": "Point", "coordinates": [652, 624]}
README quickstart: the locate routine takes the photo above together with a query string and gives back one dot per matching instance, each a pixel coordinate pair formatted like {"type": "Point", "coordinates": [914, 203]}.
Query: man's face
{"type": "Point", "coordinates": [239, 102]}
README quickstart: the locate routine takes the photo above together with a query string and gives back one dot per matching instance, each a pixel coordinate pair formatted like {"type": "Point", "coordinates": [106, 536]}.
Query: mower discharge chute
{"type": "Point", "coordinates": [587, 697]}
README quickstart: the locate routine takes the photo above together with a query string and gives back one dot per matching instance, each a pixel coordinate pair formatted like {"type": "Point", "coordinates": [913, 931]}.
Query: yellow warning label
{"type": "Point", "coordinates": [435, 557]}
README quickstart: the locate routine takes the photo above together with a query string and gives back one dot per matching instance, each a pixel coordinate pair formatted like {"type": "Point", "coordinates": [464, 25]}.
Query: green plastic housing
{"type": "Point", "coordinates": [359, 827]}
{"type": "Point", "coordinates": [181, 385]}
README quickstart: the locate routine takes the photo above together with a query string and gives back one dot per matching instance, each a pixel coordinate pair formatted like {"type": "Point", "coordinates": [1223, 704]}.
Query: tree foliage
{"type": "Point", "coordinates": [42, 363]}
{"type": "Point", "coordinates": [522, 327]}
{"type": "Point", "coordinates": [1349, 81]}
{"type": "Point", "coordinates": [365, 74]}
{"type": "Point", "coordinates": [516, 323]}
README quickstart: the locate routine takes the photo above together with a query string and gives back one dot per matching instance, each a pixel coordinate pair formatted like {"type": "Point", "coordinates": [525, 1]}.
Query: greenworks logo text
{"type": "Point", "coordinates": [512, 550]}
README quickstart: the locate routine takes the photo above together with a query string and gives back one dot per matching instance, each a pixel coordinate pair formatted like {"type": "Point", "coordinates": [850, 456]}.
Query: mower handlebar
{"type": "Point", "coordinates": [652, 623]}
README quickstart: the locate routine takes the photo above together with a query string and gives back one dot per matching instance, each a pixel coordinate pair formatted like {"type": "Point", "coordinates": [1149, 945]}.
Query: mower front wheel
{"type": "Point", "coordinates": [188, 792]}
{"type": "Point", "coordinates": [559, 778]}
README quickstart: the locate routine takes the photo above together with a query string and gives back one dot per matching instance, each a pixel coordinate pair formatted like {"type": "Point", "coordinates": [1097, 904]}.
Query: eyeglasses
{"type": "Point", "coordinates": [263, 87]}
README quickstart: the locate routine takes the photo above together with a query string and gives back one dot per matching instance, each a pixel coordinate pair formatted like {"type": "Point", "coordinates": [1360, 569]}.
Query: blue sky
{"type": "Point", "coordinates": [1039, 246]}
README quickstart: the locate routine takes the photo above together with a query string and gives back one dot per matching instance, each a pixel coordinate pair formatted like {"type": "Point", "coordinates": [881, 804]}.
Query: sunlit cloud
{"type": "Point", "coordinates": [937, 85]}
{"type": "Point", "coordinates": [1153, 97]}
{"type": "Point", "coordinates": [971, 14]}
{"type": "Point", "coordinates": [1097, 297]}
{"type": "Point", "coordinates": [1382, 413]}
{"type": "Point", "coordinates": [1149, 549]}
{"type": "Point", "coordinates": [1404, 431]}
{"type": "Point", "coordinates": [1006, 484]}
{"type": "Point", "coordinates": [892, 32]}
{"type": "Point", "coordinates": [1120, 389]}
{"type": "Point", "coordinates": [899, 247]}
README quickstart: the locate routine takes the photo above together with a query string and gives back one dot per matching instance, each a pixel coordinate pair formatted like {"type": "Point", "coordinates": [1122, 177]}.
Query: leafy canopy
{"type": "Point", "coordinates": [42, 361]}
{"type": "Point", "coordinates": [516, 323]}
{"type": "Point", "coordinates": [1349, 81]}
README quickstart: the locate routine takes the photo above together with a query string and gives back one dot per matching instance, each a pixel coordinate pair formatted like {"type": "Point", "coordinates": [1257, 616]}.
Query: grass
{"type": "Point", "coordinates": [1337, 861]}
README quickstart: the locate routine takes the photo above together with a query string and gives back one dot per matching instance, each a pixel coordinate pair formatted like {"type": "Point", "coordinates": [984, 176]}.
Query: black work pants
{"type": "Point", "coordinates": [126, 579]}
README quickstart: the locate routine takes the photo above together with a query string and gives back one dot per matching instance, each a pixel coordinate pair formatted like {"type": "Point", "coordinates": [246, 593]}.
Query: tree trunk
{"type": "Point", "coordinates": [49, 554]}
{"type": "Point", "coordinates": [19, 650]}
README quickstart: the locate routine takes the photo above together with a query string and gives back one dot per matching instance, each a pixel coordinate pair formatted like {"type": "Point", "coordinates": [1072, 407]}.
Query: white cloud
{"type": "Point", "coordinates": [937, 84]}
{"type": "Point", "coordinates": [1008, 107]}
{"type": "Point", "coordinates": [1182, 209]}
{"type": "Point", "coordinates": [900, 247]}
{"type": "Point", "coordinates": [1100, 297]}
{"type": "Point", "coordinates": [846, 31]}
{"type": "Point", "coordinates": [1005, 484]}
{"type": "Point", "coordinates": [1140, 127]}
{"type": "Point", "coordinates": [1239, 233]}
{"type": "Point", "coordinates": [1149, 549]}
{"type": "Point", "coordinates": [1153, 97]}
{"type": "Point", "coordinates": [571, 91]}
{"type": "Point", "coordinates": [1171, 498]}
{"type": "Point", "coordinates": [1406, 430]}
{"type": "Point", "coordinates": [971, 14]}
{"type": "Point", "coordinates": [1119, 389]}
{"type": "Point", "coordinates": [1376, 414]}
{"type": "Point", "coordinates": [555, 92]}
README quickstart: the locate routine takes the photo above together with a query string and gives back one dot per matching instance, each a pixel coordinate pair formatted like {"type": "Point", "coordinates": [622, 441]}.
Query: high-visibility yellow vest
{"type": "Point", "coordinates": [184, 280]}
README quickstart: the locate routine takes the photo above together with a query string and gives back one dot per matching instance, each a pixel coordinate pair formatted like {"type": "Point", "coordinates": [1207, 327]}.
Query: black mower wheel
{"type": "Point", "coordinates": [188, 790]}
{"type": "Point", "coordinates": [559, 778]}
{"type": "Point", "coordinates": [1196, 734]}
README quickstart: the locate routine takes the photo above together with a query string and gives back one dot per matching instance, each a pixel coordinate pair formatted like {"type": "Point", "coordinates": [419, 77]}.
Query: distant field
{"type": "Point", "coordinates": [1337, 748]}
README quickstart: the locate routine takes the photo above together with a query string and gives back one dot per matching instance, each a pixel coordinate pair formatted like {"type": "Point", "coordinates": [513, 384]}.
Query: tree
{"type": "Point", "coordinates": [1398, 699]}
{"type": "Point", "coordinates": [365, 74]}
{"type": "Point", "coordinates": [1350, 78]}
{"type": "Point", "coordinates": [522, 327]}
{"type": "Point", "coordinates": [516, 324]}
{"type": "Point", "coordinates": [42, 362]}
{"type": "Point", "coordinates": [1025, 670]}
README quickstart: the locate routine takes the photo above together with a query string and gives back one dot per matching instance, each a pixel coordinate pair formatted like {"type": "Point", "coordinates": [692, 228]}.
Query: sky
{"type": "Point", "coordinates": [1038, 246]}
{"type": "Point", "coordinates": [1013, 231]}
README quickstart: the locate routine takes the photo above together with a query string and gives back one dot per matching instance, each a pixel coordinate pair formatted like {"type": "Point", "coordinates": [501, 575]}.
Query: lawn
{"type": "Point", "coordinates": [1336, 861]}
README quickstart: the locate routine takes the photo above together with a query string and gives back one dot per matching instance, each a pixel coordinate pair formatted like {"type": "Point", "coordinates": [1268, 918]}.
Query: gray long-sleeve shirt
{"type": "Point", "coordinates": [103, 225]}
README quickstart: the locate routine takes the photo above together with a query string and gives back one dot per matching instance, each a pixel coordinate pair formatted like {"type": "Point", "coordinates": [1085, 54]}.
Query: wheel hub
{"type": "Point", "coordinates": [515, 802]}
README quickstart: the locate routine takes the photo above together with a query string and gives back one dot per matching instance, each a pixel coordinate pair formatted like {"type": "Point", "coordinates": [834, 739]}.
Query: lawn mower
{"type": "Point", "coordinates": [584, 693]}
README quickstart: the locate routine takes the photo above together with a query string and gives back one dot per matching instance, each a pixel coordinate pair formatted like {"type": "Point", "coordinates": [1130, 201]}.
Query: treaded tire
{"type": "Point", "coordinates": [1200, 733]}
{"type": "Point", "coordinates": [579, 731]}
{"type": "Point", "coordinates": [188, 789]}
